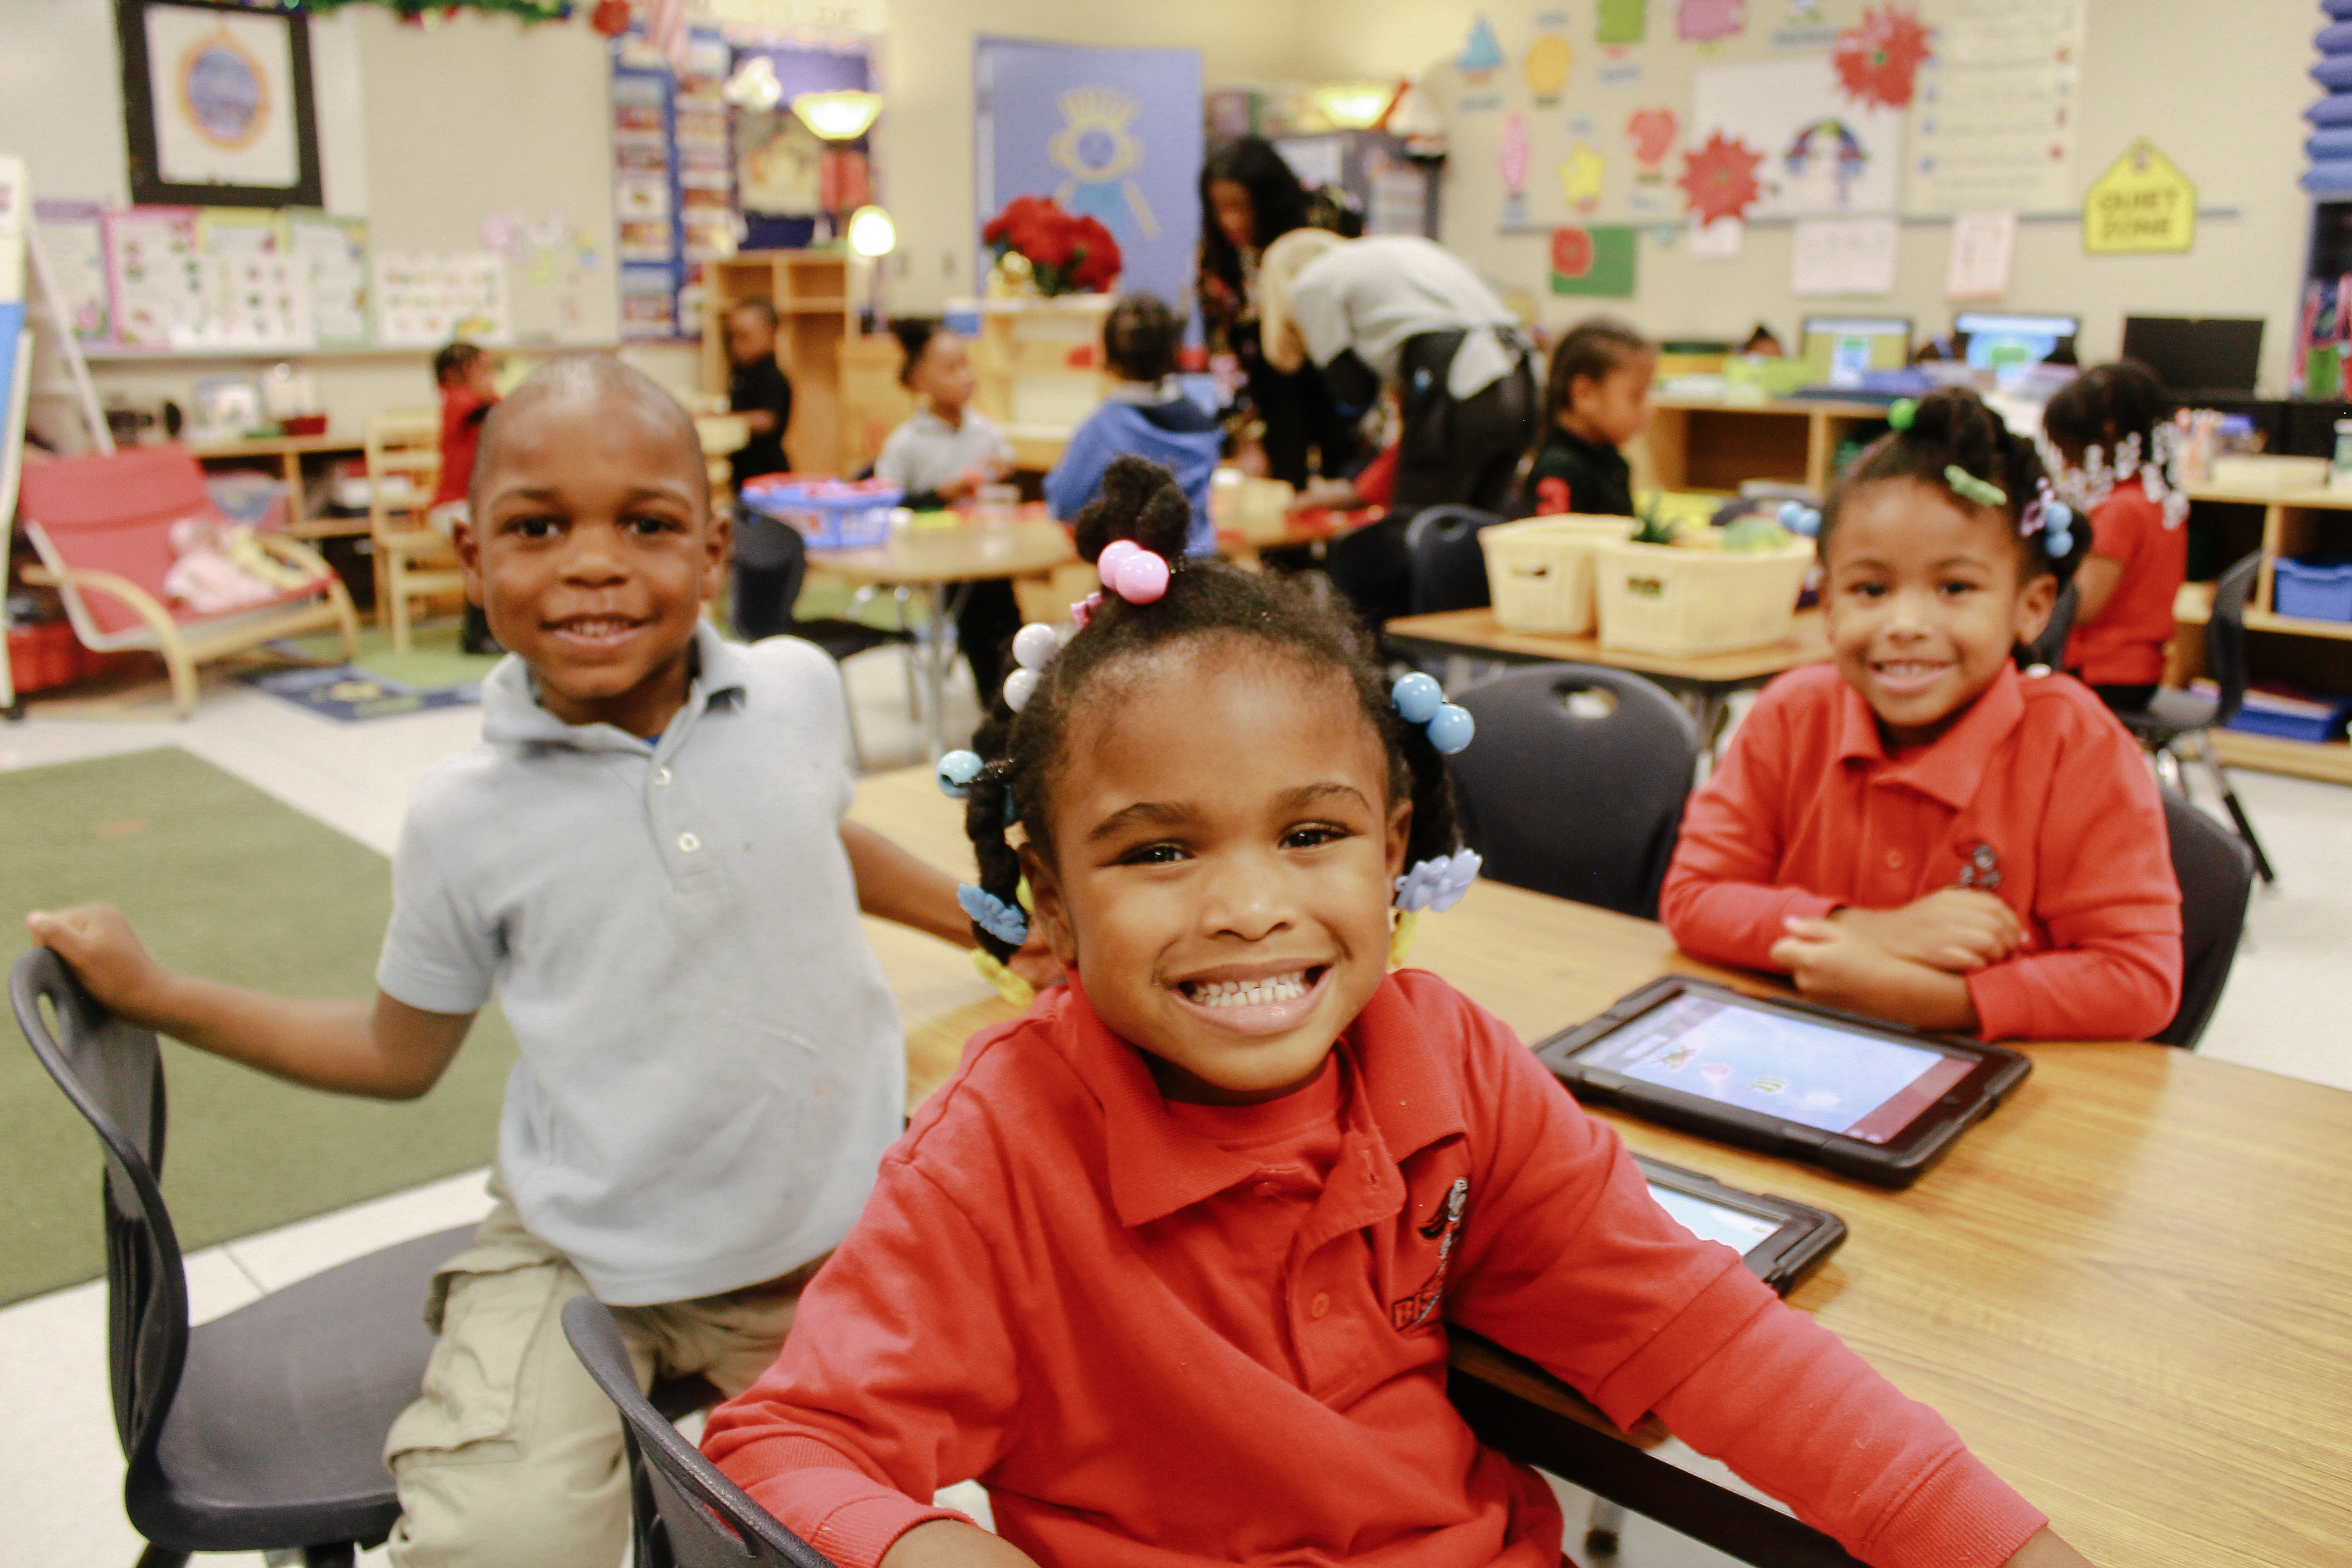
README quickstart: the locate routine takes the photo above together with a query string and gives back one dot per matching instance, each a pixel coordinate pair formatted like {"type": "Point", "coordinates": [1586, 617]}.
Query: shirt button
{"type": "Point", "coordinates": [688, 842]}
{"type": "Point", "coordinates": [1895, 859]}
{"type": "Point", "coordinates": [661, 775]}
{"type": "Point", "coordinates": [1318, 1307]}
{"type": "Point", "coordinates": [1269, 1189]}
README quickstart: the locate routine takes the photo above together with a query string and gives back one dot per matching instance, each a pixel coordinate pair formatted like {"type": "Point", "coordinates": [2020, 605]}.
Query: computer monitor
{"type": "Point", "coordinates": [1851, 344]}
{"type": "Point", "coordinates": [2011, 345]}
{"type": "Point", "coordinates": [2197, 356]}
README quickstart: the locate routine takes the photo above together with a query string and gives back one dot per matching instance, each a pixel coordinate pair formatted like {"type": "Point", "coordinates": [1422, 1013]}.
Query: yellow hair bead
{"type": "Point", "coordinates": [1009, 985]}
{"type": "Point", "coordinates": [1407, 927]}
{"type": "Point", "coordinates": [1020, 896]}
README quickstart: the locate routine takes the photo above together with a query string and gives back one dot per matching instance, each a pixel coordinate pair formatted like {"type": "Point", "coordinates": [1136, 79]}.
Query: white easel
{"type": "Point", "coordinates": [30, 306]}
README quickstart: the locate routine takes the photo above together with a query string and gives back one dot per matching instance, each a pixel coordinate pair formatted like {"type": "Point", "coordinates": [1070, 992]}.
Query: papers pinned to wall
{"type": "Point", "coordinates": [1984, 248]}
{"type": "Point", "coordinates": [1843, 256]}
{"type": "Point", "coordinates": [332, 253]}
{"type": "Point", "coordinates": [422, 300]}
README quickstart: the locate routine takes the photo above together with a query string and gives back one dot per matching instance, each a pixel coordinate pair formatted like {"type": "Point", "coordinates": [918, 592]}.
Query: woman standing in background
{"type": "Point", "coordinates": [1250, 198]}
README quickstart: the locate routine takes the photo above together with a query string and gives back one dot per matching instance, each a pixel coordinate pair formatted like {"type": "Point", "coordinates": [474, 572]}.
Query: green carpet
{"type": "Point", "coordinates": [433, 661]}
{"type": "Point", "coordinates": [220, 880]}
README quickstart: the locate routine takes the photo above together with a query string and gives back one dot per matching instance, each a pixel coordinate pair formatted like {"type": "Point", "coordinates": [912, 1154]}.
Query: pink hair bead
{"type": "Point", "coordinates": [1140, 577]}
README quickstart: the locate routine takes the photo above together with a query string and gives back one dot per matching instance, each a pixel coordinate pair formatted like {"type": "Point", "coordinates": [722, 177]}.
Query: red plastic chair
{"type": "Point", "coordinates": [102, 527]}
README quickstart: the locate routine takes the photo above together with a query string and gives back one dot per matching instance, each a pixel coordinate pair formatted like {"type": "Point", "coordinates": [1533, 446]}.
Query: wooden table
{"type": "Point", "coordinates": [1704, 681]}
{"type": "Point", "coordinates": [940, 564]}
{"type": "Point", "coordinates": [2130, 1289]}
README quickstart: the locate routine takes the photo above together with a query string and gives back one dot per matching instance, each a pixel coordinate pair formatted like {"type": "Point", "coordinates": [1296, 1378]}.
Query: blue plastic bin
{"type": "Point", "coordinates": [2315, 590]}
{"type": "Point", "coordinates": [829, 513]}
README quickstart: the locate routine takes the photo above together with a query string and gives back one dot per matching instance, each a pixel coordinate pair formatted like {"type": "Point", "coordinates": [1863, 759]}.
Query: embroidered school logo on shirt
{"type": "Point", "coordinates": [1415, 1309]}
{"type": "Point", "coordinates": [1982, 870]}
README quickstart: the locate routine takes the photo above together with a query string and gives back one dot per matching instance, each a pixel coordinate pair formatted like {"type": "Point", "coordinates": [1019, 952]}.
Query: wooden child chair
{"type": "Point", "coordinates": [413, 558]}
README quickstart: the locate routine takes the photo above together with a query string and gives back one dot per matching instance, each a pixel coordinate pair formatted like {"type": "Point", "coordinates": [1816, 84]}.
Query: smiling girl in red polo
{"type": "Point", "coordinates": [1915, 830]}
{"type": "Point", "coordinates": [1169, 1265]}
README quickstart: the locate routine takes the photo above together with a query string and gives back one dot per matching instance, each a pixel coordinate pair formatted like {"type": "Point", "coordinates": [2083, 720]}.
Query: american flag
{"type": "Point", "coordinates": [665, 31]}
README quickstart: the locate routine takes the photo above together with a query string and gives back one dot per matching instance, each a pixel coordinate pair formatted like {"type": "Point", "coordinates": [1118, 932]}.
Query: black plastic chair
{"type": "Point", "coordinates": [2049, 650]}
{"type": "Point", "coordinates": [687, 1514]}
{"type": "Point", "coordinates": [1449, 570]}
{"type": "Point", "coordinates": [2172, 717]}
{"type": "Point", "coordinates": [2216, 873]}
{"type": "Point", "coordinates": [1576, 783]}
{"type": "Point", "coordinates": [262, 1430]}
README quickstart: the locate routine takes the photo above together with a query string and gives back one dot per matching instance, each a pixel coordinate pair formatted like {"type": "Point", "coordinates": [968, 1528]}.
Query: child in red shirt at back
{"type": "Point", "coordinates": [1915, 830]}
{"type": "Point", "coordinates": [1169, 1266]}
{"type": "Point", "coordinates": [2108, 444]}
{"type": "Point", "coordinates": [467, 376]}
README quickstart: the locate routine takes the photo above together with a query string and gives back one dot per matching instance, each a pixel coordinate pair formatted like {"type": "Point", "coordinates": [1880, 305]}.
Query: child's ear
{"type": "Point", "coordinates": [717, 550]}
{"type": "Point", "coordinates": [2035, 601]}
{"type": "Point", "coordinates": [1048, 912]}
{"type": "Point", "coordinates": [1399, 835]}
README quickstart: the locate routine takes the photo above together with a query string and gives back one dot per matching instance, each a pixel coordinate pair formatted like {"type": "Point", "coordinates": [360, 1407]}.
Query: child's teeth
{"type": "Point", "coordinates": [1251, 993]}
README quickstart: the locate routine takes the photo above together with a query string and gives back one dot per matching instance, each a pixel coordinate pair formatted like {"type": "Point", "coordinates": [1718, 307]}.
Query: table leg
{"type": "Point", "coordinates": [942, 601]}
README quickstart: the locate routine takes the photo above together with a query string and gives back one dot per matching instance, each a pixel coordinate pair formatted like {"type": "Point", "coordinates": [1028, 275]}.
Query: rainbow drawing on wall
{"type": "Point", "coordinates": [1825, 151]}
{"type": "Point", "coordinates": [1098, 152]}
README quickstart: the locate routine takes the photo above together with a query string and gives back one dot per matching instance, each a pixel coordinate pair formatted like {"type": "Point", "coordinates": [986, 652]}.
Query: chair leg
{"type": "Point", "coordinates": [399, 606]}
{"type": "Point", "coordinates": [183, 669]}
{"type": "Point", "coordinates": [849, 712]}
{"type": "Point", "coordinates": [2229, 801]}
{"type": "Point", "coordinates": [1603, 1526]}
{"type": "Point", "coordinates": [161, 1557]}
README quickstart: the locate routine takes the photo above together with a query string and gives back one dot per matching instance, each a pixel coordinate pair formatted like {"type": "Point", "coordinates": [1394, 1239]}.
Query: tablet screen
{"type": "Point", "coordinates": [1778, 1065]}
{"type": "Point", "coordinates": [1735, 1229]}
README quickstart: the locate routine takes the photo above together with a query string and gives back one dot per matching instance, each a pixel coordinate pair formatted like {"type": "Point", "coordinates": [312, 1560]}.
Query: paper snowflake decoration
{"type": "Point", "coordinates": [1720, 179]}
{"type": "Point", "coordinates": [1878, 61]}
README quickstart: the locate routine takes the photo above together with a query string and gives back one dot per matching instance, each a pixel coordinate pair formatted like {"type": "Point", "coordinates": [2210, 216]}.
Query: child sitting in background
{"type": "Point", "coordinates": [1169, 1265]}
{"type": "Point", "coordinates": [1596, 399]}
{"type": "Point", "coordinates": [468, 377]}
{"type": "Point", "coordinates": [1915, 830]}
{"type": "Point", "coordinates": [768, 553]}
{"type": "Point", "coordinates": [2110, 444]}
{"type": "Point", "coordinates": [947, 450]}
{"type": "Point", "coordinates": [645, 859]}
{"type": "Point", "coordinates": [1147, 414]}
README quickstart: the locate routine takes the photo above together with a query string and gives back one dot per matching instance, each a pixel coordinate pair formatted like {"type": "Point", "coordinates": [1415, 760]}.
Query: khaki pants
{"type": "Point", "coordinates": [512, 1457]}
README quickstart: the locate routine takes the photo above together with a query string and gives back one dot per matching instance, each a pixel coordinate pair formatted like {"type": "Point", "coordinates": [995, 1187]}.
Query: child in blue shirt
{"type": "Point", "coordinates": [1147, 414]}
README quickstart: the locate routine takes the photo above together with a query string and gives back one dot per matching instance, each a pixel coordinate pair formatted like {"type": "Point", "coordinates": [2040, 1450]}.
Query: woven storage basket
{"type": "Point", "coordinates": [1539, 572]}
{"type": "Point", "coordinates": [1677, 599]}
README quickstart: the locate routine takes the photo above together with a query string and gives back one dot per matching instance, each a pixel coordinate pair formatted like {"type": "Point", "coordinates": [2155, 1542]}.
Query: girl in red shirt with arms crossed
{"type": "Point", "coordinates": [2109, 446]}
{"type": "Point", "coordinates": [1914, 829]}
{"type": "Point", "coordinates": [1169, 1265]}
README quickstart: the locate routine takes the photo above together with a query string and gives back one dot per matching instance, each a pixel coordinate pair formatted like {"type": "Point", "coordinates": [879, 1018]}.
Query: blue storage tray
{"type": "Point", "coordinates": [2319, 591]}
{"type": "Point", "coordinates": [2288, 726]}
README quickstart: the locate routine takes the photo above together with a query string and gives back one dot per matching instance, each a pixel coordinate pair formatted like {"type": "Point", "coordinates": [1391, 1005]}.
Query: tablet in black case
{"type": "Point", "coordinates": [1781, 1240]}
{"type": "Point", "coordinates": [1869, 1100]}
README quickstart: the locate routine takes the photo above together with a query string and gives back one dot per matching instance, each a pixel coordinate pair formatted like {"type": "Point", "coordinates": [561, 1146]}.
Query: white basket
{"type": "Point", "coordinates": [1539, 572]}
{"type": "Point", "coordinates": [1676, 599]}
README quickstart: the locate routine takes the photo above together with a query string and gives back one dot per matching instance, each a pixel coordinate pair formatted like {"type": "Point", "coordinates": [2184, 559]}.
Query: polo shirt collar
{"type": "Point", "coordinates": [1160, 1167]}
{"type": "Point", "coordinates": [1951, 769]}
{"type": "Point", "coordinates": [511, 709]}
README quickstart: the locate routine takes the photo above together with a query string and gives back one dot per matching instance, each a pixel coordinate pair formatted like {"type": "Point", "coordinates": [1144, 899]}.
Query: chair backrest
{"type": "Point", "coordinates": [2049, 650]}
{"type": "Point", "coordinates": [688, 1515]}
{"type": "Point", "coordinates": [1449, 570]}
{"type": "Point", "coordinates": [2225, 635]}
{"type": "Point", "coordinates": [113, 512]}
{"type": "Point", "coordinates": [403, 446]}
{"type": "Point", "coordinates": [1576, 783]}
{"type": "Point", "coordinates": [114, 1074]}
{"type": "Point", "coordinates": [2216, 873]}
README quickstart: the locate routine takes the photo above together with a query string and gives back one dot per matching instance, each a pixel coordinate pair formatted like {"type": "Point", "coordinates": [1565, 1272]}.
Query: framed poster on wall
{"type": "Point", "coordinates": [217, 105]}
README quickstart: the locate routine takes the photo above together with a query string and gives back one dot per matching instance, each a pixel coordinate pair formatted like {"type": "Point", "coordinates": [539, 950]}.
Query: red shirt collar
{"type": "Point", "coordinates": [1951, 768]}
{"type": "Point", "coordinates": [1159, 1167]}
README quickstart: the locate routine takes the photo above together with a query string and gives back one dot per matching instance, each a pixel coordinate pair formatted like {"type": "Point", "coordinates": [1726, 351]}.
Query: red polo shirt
{"type": "Point", "coordinates": [1164, 1336]}
{"type": "Point", "coordinates": [462, 412]}
{"type": "Point", "coordinates": [2123, 644]}
{"type": "Point", "coordinates": [1807, 813]}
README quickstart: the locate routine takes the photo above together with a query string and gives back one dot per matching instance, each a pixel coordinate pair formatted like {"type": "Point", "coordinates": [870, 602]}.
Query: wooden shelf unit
{"type": "Point", "coordinates": [1699, 444]}
{"type": "Point", "coordinates": [1038, 369]}
{"type": "Point", "coordinates": [811, 292]}
{"type": "Point", "coordinates": [283, 457]}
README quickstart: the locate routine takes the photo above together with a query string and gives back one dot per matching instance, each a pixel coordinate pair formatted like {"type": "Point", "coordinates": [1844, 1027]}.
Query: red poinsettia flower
{"type": "Point", "coordinates": [1720, 179]}
{"type": "Point", "coordinates": [1063, 252]}
{"type": "Point", "coordinates": [1878, 61]}
{"type": "Point", "coordinates": [1098, 260]}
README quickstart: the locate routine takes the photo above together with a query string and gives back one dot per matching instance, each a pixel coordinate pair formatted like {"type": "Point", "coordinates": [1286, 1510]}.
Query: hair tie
{"type": "Point", "coordinates": [958, 771]}
{"type": "Point", "coordinates": [1437, 885]}
{"type": "Point", "coordinates": [1133, 572]}
{"type": "Point", "coordinates": [1082, 609]}
{"type": "Point", "coordinates": [1009, 985]}
{"type": "Point", "coordinates": [1901, 412]}
{"type": "Point", "coordinates": [1968, 486]}
{"type": "Point", "coordinates": [992, 914]}
{"type": "Point", "coordinates": [1798, 517]}
{"type": "Point", "coordinates": [1418, 699]}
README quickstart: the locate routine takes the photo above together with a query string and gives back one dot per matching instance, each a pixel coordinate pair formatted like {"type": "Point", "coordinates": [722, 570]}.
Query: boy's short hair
{"type": "Point", "coordinates": [1141, 337]}
{"type": "Point", "coordinates": [454, 360]}
{"type": "Point", "coordinates": [1593, 349]}
{"type": "Point", "coordinates": [758, 305]}
{"type": "Point", "coordinates": [593, 375]}
{"type": "Point", "coordinates": [914, 334]}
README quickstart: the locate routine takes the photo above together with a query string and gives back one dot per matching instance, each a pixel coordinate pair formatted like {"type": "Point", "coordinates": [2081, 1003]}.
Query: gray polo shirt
{"type": "Point", "coordinates": [711, 1063]}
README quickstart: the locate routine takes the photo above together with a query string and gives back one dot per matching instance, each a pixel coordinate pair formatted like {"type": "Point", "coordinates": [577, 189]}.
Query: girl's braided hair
{"type": "Point", "coordinates": [1207, 602]}
{"type": "Point", "coordinates": [1953, 428]}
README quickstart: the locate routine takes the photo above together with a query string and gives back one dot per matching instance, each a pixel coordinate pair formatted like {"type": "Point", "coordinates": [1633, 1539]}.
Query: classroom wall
{"type": "Point", "coordinates": [2220, 88]}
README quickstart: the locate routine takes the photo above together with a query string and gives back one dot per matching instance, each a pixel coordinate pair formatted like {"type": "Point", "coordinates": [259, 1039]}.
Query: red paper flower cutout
{"type": "Point", "coordinates": [1571, 252]}
{"type": "Point", "coordinates": [1720, 179]}
{"type": "Point", "coordinates": [1878, 61]}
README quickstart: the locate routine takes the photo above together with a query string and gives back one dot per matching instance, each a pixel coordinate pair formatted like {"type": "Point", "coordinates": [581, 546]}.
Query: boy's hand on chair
{"type": "Point", "coordinates": [106, 956]}
{"type": "Point", "coordinates": [1957, 929]}
{"type": "Point", "coordinates": [1840, 967]}
{"type": "Point", "coordinates": [951, 1543]}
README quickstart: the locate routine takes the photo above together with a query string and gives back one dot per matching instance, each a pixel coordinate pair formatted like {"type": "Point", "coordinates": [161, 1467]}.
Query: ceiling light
{"type": "Point", "coordinates": [871, 232]}
{"type": "Point", "coordinates": [1353, 105]}
{"type": "Point", "coordinates": [842, 116]}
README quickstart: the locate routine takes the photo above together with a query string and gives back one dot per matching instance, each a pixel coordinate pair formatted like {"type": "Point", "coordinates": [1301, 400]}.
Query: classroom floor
{"type": "Point", "coordinates": [60, 1468]}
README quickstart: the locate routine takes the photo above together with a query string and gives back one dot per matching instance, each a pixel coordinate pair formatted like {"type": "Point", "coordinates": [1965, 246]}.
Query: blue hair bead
{"type": "Point", "coordinates": [957, 771]}
{"type": "Point", "coordinates": [1799, 518]}
{"type": "Point", "coordinates": [992, 914]}
{"type": "Point", "coordinates": [1451, 728]}
{"type": "Point", "coordinates": [1417, 697]}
